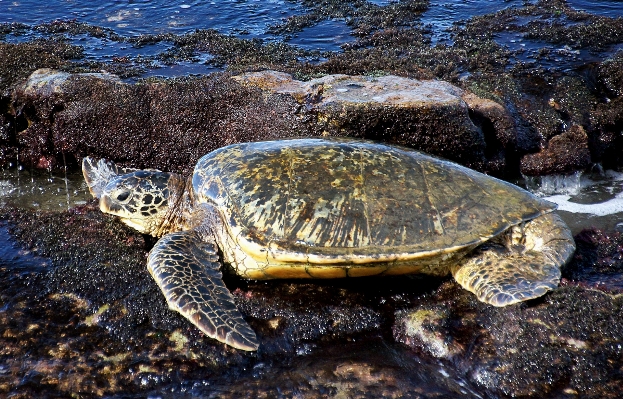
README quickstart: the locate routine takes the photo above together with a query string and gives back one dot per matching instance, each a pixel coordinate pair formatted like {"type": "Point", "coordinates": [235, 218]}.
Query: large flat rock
{"type": "Point", "coordinates": [430, 115]}
{"type": "Point", "coordinates": [345, 90]}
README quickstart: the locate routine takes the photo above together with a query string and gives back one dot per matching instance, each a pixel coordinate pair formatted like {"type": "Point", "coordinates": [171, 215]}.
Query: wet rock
{"type": "Point", "coordinates": [554, 85]}
{"type": "Point", "coordinates": [17, 61]}
{"type": "Point", "coordinates": [161, 124]}
{"type": "Point", "coordinates": [493, 118]}
{"type": "Point", "coordinates": [7, 151]}
{"type": "Point", "coordinates": [428, 329]}
{"type": "Point", "coordinates": [606, 118]}
{"type": "Point", "coordinates": [565, 154]}
{"type": "Point", "coordinates": [611, 74]}
{"type": "Point", "coordinates": [502, 136]}
{"type": "Point", "coordinates": [598, 262]}
{"type": "Point", "coordinates": [567, 343]}
{"type": "Point", "coordinates": [92, 320]}
{"type": "Point", "coordinates": [428, 115]}
{"type": "Point", "coordinates": [170, 124]}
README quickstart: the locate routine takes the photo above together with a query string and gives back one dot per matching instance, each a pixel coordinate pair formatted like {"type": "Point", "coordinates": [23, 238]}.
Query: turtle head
{"type": "Point", "coordinates": [141, 198]}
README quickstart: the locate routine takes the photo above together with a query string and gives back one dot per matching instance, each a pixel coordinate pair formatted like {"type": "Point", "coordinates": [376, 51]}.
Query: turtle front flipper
{"type": "Point", "coordinates": [500, 277]}
{"type": "Point", "coordinates": [186, 269]}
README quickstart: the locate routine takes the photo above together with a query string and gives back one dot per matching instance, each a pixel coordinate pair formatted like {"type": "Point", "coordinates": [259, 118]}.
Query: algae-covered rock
{"type": "Point", "coordinates": [566, 343]}
{"type": "Point", "coordinates": [599, 263]}
{"type": "Point", "coordinates": [564, 154]}
{"type": "Point", "coordinates": [74, 115]}
{"type": "Point", "coordinates": [89, 318]}
{"type": "Point", "coordinates": [161, 124]}
{"type": "Point", "coordinates": [426, 114]}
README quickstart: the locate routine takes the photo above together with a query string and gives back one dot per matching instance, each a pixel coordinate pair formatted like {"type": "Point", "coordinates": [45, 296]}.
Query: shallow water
{"type": "Point", "coordinates": [42, 190]}
{"type": "Point", "coordinates": [442, 15]}
{"type": "Point", "coordinates": [19, 260]}
{"type": "Point", "coordinates": [325, 36]}
{"type": "Point", "coordinates": [591, 201]}
{"type": "Point", "coordinates": [253, 19]}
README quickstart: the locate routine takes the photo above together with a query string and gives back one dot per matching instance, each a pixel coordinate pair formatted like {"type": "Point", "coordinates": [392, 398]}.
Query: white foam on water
{"type": "Point", "coordinates": [609, 207]}
{"type": "Point", "coordinates": [612, 183]}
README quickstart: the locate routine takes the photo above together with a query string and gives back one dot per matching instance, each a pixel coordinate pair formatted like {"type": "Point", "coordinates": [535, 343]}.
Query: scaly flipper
{"type": "Point", "coordinates": [186, 269]}
{"type": "Point", "coordinates": [501, 277]}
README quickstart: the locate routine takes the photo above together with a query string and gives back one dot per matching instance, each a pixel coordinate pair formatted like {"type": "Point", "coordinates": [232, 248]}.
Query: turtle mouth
{"type": "Point", "coordinates": [135, 224]}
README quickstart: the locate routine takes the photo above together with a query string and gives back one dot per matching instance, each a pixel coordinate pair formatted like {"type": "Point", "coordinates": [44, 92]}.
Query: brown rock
{"type": "Point", "coordinates": [561, 343]}
{"type": "Point", "coordinates": [430, 115]}
{"type": "Point", "coordinates": [166, 124]}
{"type": "Point", "coordinates": [565, 153]}
{"type": "Point", "coordinates": [170, 124]}
{"type": "Point", "coordinates": [492, 113]}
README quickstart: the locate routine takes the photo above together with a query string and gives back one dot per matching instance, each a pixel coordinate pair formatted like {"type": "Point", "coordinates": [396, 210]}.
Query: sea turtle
{"type": "Point", "coordinates": [330, 208]}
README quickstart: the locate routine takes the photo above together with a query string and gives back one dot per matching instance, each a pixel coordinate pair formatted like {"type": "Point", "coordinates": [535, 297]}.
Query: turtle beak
{"type": "Point", "coordinates": [108, 206]}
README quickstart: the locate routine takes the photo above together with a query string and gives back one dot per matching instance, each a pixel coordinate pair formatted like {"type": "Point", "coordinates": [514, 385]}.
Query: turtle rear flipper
{"type": "Point", "coordinates": [501, 277]}
{"type": "Point", "coordinates": [186, 269]}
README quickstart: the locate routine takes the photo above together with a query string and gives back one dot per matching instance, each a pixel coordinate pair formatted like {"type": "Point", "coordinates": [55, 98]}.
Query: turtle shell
{"type": "Point", "coordinates": [343, 201]}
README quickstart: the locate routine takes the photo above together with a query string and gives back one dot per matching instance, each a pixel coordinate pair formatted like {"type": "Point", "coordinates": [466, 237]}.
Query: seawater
{"type": "Point", "coordinates": [249, 19]}
{"type": "Point", "coordinates": [589, 200]}
{"type": "Point", "coordinates": [37, 189]}
{"type": "Point", "coordinates": [155, 16]}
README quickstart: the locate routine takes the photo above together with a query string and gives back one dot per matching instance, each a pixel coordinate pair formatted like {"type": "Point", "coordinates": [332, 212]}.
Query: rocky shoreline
{"type": "Point", "coordinates": [84, 318]}
{"type": "Point", "coordinates": [89, 319]}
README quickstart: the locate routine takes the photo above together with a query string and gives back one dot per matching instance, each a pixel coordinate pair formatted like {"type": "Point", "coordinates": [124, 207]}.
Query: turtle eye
{"type": "Point", "coordinates": [123, 195]}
